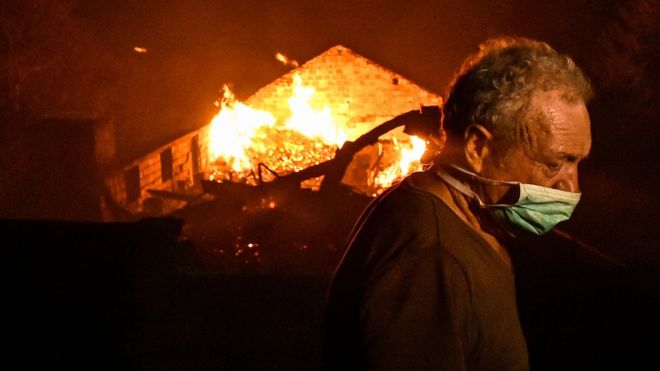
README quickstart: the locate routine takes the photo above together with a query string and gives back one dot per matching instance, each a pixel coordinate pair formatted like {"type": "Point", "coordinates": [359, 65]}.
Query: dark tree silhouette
{"type": "Point", "coordinates": [50, 63]}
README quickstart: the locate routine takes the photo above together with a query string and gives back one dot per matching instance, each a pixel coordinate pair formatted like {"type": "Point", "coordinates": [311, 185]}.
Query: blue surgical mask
{"type": "Point", "coordinates": [538, 209]}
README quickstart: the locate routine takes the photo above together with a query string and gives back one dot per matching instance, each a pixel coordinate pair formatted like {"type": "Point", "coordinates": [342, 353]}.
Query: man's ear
{"type": "Point", "coordinates": [477, 142]}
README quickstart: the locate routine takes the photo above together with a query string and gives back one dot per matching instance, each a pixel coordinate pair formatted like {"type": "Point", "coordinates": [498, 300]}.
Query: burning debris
{"type": "Point", "coordinates": [278, 180]}
{"type": "Point", "coordinates": [276, 224]}
{"type": "Point", "coordinates": [243, 138]}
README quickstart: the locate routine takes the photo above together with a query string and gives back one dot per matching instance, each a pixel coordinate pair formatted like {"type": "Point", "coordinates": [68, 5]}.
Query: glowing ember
{"type": "Point", "coordinates": [242, 137]}
{"type": "Point", "coordinates": [285, 60]}
{"type": "Point", "coordinates": [139, 49]}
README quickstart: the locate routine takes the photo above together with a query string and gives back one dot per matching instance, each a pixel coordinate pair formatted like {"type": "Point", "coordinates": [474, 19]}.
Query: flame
{"type": "Point", "coordinates": [242, 137]}
{"type": "Point", "coordinates": [139, 49]}
{"type": "Point", "coordinates": [234, 129]}
{"type": "Point", "coordinates": [410, 153]}
{"type": "Point", "coordinates": [312, 123]}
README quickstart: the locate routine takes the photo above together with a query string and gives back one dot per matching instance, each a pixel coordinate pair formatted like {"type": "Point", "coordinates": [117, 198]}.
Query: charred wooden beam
{"type": "Point", "coordinates": [173, 195]}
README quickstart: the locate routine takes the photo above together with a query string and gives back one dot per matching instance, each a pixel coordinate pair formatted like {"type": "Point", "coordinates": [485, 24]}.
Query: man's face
{"type": "Point", "coordinates": [556, 139]}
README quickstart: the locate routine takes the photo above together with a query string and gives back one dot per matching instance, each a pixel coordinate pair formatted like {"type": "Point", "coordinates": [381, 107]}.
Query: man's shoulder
{"type": "Point", "coordinates": [406, 199]}
{"type": "Point", "coordinates": [406, 206]}
{"type": "Point", "coordinates": [423, 212]}
{"type": "Point", "coordinates": [404, 218]}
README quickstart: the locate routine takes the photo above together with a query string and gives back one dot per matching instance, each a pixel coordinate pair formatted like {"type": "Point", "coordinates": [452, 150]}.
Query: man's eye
{"type": "Point", "coordinates": [554, 166]}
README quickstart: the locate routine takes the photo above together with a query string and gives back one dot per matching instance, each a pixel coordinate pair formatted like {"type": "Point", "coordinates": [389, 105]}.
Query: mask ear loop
{"type": "Point", "coordinates": [482, 179]}
{"type": "Point", "coordinates": [467, 191]}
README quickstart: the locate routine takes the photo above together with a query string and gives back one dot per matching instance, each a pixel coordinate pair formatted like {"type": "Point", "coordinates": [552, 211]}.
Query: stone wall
{"type": "Point", "coordinates": [175, 167]}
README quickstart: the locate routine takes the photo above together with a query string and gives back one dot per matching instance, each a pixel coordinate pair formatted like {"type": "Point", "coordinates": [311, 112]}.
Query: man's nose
{"type": "Point", "coordinates": [568, 182]}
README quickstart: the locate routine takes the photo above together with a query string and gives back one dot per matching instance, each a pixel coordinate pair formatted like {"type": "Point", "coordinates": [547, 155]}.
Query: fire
{"type": "Point", "coordinates": [139, 49]}
{"type": "Point", "coordinates": [312, 123]}
{"type": "Point", "coordinates": [234, 129]}
{"type": "Point", "coordinates": [242, 137]}
{"type": "Point", "coordinates": [408, 162]}
{"type": "Point", "coordinates": [410, 156]}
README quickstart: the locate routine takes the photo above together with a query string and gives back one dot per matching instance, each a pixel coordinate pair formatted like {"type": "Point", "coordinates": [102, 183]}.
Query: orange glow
{"type": "Point", "coordinates": [411, 155]}
{"type": "Point", "coordinates": [312, 123]}
{"type": "Point", "coordinates": [241, 137]}
{"type": "Point", "coordinates": [408, 162]}
{"type": "Point", "coordinates": [234, 129]}
{"type": "Point", "coordinates": [139, 49]}
{"type": "Point", "coordinates": [285, 60]}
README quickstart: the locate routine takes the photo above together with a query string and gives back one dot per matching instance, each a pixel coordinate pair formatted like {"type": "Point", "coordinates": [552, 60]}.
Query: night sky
{"type": "Point", "coordinates": [196, 46]}
{"type": "Point", "coordinates": [424, 40]}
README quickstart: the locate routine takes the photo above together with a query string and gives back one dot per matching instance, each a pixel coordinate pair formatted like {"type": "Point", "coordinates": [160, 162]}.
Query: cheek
{"type": "Point", "coordinates": [542, 178]}
{"type": "Point", "coordinates": [498, 163]}
{"type": "Point", "coordinates": [524, 170]}
{"type": "Point", "coordinates": [567, 179]}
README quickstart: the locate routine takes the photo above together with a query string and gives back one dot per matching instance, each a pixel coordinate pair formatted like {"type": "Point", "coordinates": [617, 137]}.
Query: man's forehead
{"type": "Point", "coordinates": [549, 108]}
{"type": "Point", "coordinates": [554, 124]}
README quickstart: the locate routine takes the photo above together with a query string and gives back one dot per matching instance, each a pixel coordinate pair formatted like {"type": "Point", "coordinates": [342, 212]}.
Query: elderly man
{"type": "Point", "coordinates": [427, 282]}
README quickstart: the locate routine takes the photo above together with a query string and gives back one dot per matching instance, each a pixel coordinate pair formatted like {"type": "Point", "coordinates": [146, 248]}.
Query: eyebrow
{"type": "Point", "coordinates": [573, 157]}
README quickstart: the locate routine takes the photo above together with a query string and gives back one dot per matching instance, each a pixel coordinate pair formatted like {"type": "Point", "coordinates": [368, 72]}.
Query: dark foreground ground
{"type": "Point", "coordinates": [129, 296]}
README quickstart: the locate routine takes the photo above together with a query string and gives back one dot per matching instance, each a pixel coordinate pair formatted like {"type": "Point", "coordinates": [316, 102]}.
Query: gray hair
{"type": "Point", "coordinates": [494, 86]}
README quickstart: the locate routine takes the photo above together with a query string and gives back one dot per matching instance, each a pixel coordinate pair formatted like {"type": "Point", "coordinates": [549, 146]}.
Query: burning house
{"type": "Point", "coordinates": [272, 184]}
{"type": "Point", "coordinates": [298, 121]}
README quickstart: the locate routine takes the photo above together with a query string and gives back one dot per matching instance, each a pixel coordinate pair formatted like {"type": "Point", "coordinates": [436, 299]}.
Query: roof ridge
{"type": "Point", "coordinates": [338, 49]}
